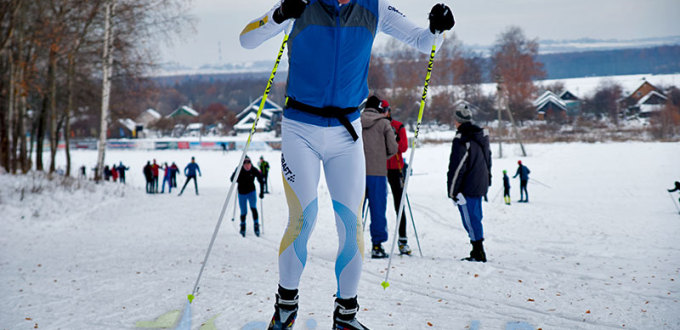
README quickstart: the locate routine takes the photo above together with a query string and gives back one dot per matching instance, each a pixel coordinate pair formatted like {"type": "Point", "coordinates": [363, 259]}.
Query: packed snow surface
{"type": "Point", "coordinates": [596, 248]}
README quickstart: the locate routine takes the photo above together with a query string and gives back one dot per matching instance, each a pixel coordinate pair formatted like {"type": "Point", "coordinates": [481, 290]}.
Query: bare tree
{"type": "Point", "coordinates": [514, 60]}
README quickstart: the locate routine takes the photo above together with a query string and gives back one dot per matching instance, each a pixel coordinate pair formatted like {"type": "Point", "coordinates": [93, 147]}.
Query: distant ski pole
{"type": "Point", "coordinates": [541, 183]}
{"type": "Point", "coordinates": [414, 145]}
{"type": "Point", "coordinates": [673, 200]}
{"type": "Point", "coordinates": [185, 321]}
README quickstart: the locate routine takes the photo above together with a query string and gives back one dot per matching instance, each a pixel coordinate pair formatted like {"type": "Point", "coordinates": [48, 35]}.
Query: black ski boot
{"type": "Point", "coordinates": [403, 246]}
{"type": "Point", "coordinates": [477, 253]}
{"type": "Point", "coordinates": [256, 225]}
{"type": "Point", "coordinates": [378, 252]}
{"type": "Point", "coordinates": [285, 310]}
{"type": "Point", "coordinates": [243, 226]}
{"type": "Point", "coordinates": [344, 316]}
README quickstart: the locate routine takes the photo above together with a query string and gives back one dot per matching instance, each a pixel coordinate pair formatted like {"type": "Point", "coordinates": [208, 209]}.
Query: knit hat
{"type": "Point", "coordinates": [462, 114]}
{"type": "Point", "coordinates": [519, 162]}
{"type": "Point", "coordinates": [373, 102]}
{"type": "Point", "coordinates": [384, 106]}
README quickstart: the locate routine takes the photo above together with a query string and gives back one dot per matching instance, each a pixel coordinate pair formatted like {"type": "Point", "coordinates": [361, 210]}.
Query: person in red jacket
{"type": "Point", "coordinates": [154, 171]}
{"type": "Point", "coordinates": [395, 175]}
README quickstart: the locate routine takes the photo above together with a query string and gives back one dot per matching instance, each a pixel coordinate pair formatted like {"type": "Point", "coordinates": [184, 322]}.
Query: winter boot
{"type": "Point", "coordinates": [477, 253]}
{"type": "Point", "coordinates": [378, 252]}
{"type": "Point", "coordinates": [403, 246]}
{"type": "Point", "coordinates": [344, 316]}
{"type": "Point", "coordinates": [256, 228]}
{"type": "Point", "coordinates": [285, 310]}
{"type": "Point", "coordinates": [243, 225]}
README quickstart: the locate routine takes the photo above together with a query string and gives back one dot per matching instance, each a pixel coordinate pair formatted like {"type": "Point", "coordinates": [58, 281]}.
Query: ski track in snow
{"type": "Point", "coordinates": [595, 250]}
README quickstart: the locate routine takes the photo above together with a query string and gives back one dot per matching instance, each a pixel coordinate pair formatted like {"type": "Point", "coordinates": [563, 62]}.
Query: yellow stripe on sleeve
{"type": "Point", "coordinates": [256, 24]}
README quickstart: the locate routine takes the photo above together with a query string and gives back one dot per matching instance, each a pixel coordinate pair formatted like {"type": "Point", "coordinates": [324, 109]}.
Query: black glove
{"type": "Point", "coordinates": [261, 195]}
{"type": "Point", "coordinates": [289, 9]}
{"type": "Point", "coordinates": [441, 18]}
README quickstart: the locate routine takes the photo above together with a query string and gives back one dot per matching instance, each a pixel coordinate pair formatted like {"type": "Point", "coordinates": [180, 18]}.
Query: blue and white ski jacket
{"type": "Point", "coordinates": [329, 50]}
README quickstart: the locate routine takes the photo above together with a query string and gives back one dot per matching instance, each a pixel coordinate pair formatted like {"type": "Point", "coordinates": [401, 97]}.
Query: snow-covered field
{"type": "Point", "coordinates": [596, 249]}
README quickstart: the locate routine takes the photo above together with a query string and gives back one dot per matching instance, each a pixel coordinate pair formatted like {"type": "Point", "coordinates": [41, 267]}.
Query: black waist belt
{"type": "Point", "coordinates": [328, 112]}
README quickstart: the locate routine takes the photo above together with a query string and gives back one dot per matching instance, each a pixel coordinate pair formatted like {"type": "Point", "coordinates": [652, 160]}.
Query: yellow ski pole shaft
{"type": "Point", "coordinates": [414, 144]}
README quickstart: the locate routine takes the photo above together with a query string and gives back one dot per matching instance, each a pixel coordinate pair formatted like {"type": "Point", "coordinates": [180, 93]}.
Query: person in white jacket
{"type": "Point", "coordinates": [329, 50]}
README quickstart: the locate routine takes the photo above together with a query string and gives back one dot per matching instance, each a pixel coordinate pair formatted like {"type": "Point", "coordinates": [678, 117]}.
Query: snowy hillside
{"type": "Point", "coordinates": [596, 248]}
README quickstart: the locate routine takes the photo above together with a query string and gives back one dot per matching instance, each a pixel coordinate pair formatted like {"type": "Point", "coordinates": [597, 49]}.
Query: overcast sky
{"type": "Point", "coordinates": [477, 22]}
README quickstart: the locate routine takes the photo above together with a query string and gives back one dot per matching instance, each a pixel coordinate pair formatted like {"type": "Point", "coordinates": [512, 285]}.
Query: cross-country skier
{"type": "Point", "coordinates": [379, 145]}
{"type": "Point", "coordinates": [190, 172]}
{"type": "Point", "coordinates": [167, 171]}
{"type": "Point", "coordinates": [329, 52]}
{"type": "Point", "coordinates": [396, 174]}
{"type": "Point", "coordinates": [121, 172]}
{"type": "Point", "coordinates": [506, 187]}
{"type": "Point", "coordinates": [247, 194]}
{"type": "Point", "coordinates": [469, 177]}
{"type": "Point", "coordinates": [677, 188]}
{"type": "Point", "coordinates": [264, 168]}
{"type": "Point", "coordinates": [523, 173]}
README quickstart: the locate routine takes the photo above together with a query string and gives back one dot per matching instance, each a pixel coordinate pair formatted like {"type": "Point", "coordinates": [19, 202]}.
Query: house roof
{"type": "Point", "coordinates": [195, 126]}
{"type": "Point", "coordinates": [567, 95]}
{"type": "Point", "coordinates": [128, 123]}
{"type": "Point", "coordinates": [246, 123]}
{"type": "Point", "coordinates": [153, 113]}
{"type": "Point", "coordinates": [543, 96]}
{"type": "Point", "coordinates": [184, 110]}
{"type": "Point", "coordinates": [652, 98]}
{"type": "Point", "coordinates": [551, 100]}
{"type": "Point", "coordinates": [269, 108]}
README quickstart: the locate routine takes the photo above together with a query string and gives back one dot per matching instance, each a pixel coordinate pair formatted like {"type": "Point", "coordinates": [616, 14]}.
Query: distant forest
{"type": "Point", "coordinates": [653, 60]}
{"type": "Point", "coordinates": [656, 60]}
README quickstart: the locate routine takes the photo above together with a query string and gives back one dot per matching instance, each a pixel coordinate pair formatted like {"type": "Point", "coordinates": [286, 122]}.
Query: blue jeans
{"type": "Point", "coordinates": [376, 193]}
{"type": "Point", "coordinates": [244, 199]}
{"type": "Point", "coordinates": [471, 215]}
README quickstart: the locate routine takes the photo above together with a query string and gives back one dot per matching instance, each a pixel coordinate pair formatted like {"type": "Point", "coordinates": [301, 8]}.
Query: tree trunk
{"type": "Point", "coordinates": [11, 146]}
{"type": "Point", "coordinates": [52, 80]}
{"type": "Point", "coordinates": [107, 68]}
{"type": "Point", "coordinates": [67, 113]}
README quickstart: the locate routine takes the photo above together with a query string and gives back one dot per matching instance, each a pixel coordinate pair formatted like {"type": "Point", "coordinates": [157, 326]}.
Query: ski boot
{"type": "Point", "coordinates": [256, 228]}
{"type": "Point", "coordinates": [477, 253]}
{"type": "Point", "coordinates": [344, 316]}
{"type": "Point", "coordinates": [403, 247]}
{"type": "Point", "coordinates": [242, 231]}
{"type": "Point", "coordinates": [378, 252]}
{"type": "Point", "coordinates": [285, 310]}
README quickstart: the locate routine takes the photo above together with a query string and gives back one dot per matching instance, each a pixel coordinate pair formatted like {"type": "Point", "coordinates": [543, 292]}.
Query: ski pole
{"type": "Point", "coordinates": [673, 200]}
{"type": "Point", "coordinates": [495, 196]}
{"type": "Point", "coordinates": [185, 322]}
{"type": "Point", "coordinates": [414, 145]}
{"type": "Point", "coordinates": [541, 183]}
{"type": "Point", "coordinates": [262, 211]}
{"type": "Point", "coordinates": [364, 215]}
{"type": "Point", "coordinates": [233, 215]}
{"type": "Point", "coordinates": [415, 232]}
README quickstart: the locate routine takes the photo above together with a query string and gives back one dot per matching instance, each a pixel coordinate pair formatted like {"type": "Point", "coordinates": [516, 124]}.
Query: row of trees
{"type": "Point", "coordinates": [54, 67]}
{"type": "Point", "coordinates": [397, 73]}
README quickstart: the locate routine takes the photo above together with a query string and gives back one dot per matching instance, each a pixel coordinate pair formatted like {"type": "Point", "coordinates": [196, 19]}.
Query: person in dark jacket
{"type": "Point", "coordinates": [247, 193]}
{"type": "Point", "coordinates": [379, 145]}
{"type": "Point", "coordinates": [107, 173]}
{"type": "Point", "coordinates": [523, 173]}
{"type": "Point", "coordinates": [190, 172]}
{"type": "Point", "coordinates": [396, 168]}
{"type": "Point", "coordinates": [506, 187]}
{"type": "Point", "coordinates": [121, 172]}
{"type": "Point", "coordinates": [264, 168]}
{"type": "Point", "coordinates": [167, 170]}
{"type": "Point", "coordinates": [148, 175]}
{"type": "Point", "coordinates": [173, 174]}
{"type": "Point", "coordinates": [469, 177]}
